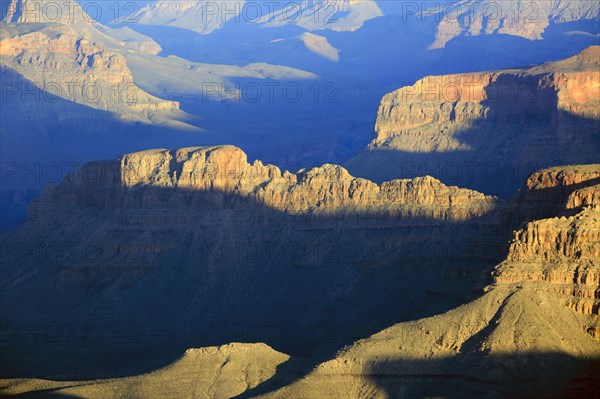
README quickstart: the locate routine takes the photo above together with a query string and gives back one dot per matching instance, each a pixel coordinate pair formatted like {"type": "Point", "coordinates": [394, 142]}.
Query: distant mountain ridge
{"type": "Point", "coordinates": [204, 17]}
{"type": "Point", "coordinates": [524, 18]}
{"type": "Point", "coordinates": [451, 18]}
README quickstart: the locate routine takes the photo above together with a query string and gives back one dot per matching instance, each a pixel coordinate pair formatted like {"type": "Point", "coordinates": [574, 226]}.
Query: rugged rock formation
{"type": "Point", "coordinates": [486, 130]}
{"type": "Point", "coordinates": [562, 187]}
{"type": "Point", "coordinates": [70, 65]}
{"type": "Point", "coordinates": [189, 209]}
{"type": "Point", "coordinates": [451, 102]}
{"type": "Point", "coordinates": [528, 19]}
{"type": "Point", "coordinates": [560, 253]}
{"type": "Point", "coordinates": [226, 171]}
{"type": "Point", "coordinates": [519, 329]}
{"type": "Point", "coordinates": [349, 256]}
{"type": "Point", "coordinates": [59, 48]}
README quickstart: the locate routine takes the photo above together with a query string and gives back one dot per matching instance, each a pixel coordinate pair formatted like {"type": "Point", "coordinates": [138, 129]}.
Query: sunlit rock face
{"type": "Point", "coordinates": [70, 64]}
{"type": "Point", "coordinates": [488, 131]}
{"type": "Point", "coordinates": [448, 103]}
{"type": "Point", "coordinates": [560, 253]}
{"type": "Point", "coordinates": [226, 171]}
{"type": "Point", "coordinates": [57, 47]}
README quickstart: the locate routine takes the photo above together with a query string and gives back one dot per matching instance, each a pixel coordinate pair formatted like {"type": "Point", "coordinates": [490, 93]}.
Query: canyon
{"type": "Point", "coordinates": [175, 223]}
{"type": "Point", "coordinates": [534, 315]}
{"type": "Point", "coordinates": [324, 239]}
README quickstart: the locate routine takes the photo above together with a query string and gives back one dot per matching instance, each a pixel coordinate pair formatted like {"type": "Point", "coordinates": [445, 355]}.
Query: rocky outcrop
{"type": "Point", "coordinates": [559, 254]}
{"type": "Point", "coordinates": [62, 51]}
{"type": "Point", "coordinates": [226, 171]}
{"type": "Point", "coordinates": [552, 191]}
{"type": "Point", "coordinates": [447, 103]}
{"type": "Point", "coordinates": [224, 231]}
{"type": "Point", "coordinates": [73, 66]}
{"type": "Point", "coordinates": [488, 130]}
{"type": "Point", "coordinates": [227, 232]}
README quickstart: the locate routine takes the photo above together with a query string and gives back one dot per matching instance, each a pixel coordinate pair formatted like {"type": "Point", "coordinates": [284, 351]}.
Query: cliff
{"type": "Point", "coordinates": [488, 130]}
{"type": "Point", "coordinates": [559, 254]}
{"type": "Point", "coordinates": [449, 102]}
{"type": "Point", "coordinates": [225, 170]}
{"type": "Point", "coordinates": [62, 51]}
{"type": "Point", "coordinates": [553, 191]}
{"type": "Point", "coordinates": [227, 232]}
{"type": "Point", "coordinates": [73, 66]}
{"type": "Point", "coordinates": [224, 231]}
{"type": "Point", "coordinates": [538, 321]}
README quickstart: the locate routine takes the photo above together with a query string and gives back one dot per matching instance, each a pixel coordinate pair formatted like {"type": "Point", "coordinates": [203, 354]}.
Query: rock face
{"type": "Point", "coordinates": [56, 46]}
{"type": "Point", "coordinates": [553, 191]}
{"type": "Point", "coordinates": [225, 171]}
{"type": "Point", "coordinates": [519, 329]}
{"type": "Point", "coordinates": [517, 18]}
{"type": "Point", "coordinates": [234, 237]}
{"type": "Point", "coordinates": [560, 253]}
{"type": "Point", "coordinates": [72, 66]}
{"type": "Point", "coordinates": [160, 219]}
{"type": "Point", "coordinates": [485, 130]}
